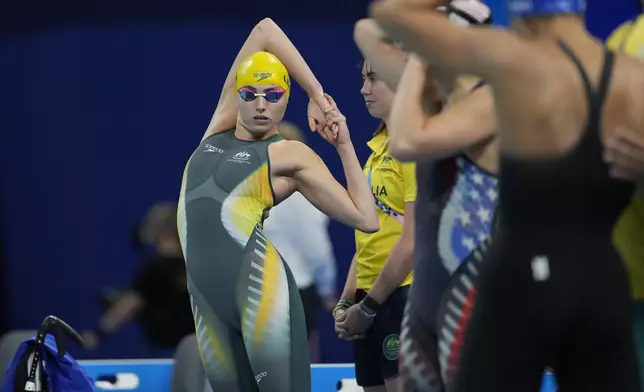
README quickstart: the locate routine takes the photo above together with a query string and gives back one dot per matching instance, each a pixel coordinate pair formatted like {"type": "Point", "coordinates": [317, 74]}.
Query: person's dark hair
{"type": "Point", "coordinates": [431, 103]}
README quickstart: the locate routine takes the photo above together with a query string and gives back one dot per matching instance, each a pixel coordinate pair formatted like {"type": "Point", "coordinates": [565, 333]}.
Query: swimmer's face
{"type": "Point", "coordinates": [261, 107]}
{"type": "Point", "coordinates": [378, 97]}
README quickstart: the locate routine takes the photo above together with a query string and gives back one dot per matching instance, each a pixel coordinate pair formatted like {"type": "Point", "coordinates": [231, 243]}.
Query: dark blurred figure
{"type": "Point", "coordinates": [158, 297]}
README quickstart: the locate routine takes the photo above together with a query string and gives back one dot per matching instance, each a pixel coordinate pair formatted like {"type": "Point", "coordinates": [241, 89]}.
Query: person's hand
{"type": "Point", "coordinates": [316, 112]}
{"type": "Point", "coordinates": [343, 333]}
{"type": "Point", "coordinates": [339, 315]}
{"type": "Point", "coordinates": [341, 307]}
{"type": "Point", "coordinates": [354, 322]}
{"type": "Point", "coordinates": [336, 131]}
{"type": "Point", "coordinates": [90, 340]}
{"type": "Point", "coordinates": [624, 152]}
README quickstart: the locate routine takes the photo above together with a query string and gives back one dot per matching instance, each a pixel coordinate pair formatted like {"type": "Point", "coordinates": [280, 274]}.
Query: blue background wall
{"type": "Point", "coordinates": [99, 121]}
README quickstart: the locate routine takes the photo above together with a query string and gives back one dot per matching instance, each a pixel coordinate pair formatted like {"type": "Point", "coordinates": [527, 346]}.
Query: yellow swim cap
{"type": "Point", "coordinates": [263, 68]}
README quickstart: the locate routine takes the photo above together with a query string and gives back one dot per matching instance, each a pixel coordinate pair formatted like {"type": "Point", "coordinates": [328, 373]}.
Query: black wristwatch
{"type": "Point", "coordinates": [371, 304]}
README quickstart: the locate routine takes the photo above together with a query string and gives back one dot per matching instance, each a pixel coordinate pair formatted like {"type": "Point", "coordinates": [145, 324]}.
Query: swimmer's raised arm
{"type": "Point", "coordinates": [385, 57]}
{"type": "Point", "coordinates": [353, 206]}
{"type": "Point", "coordinates": [311, 177]}
{"type": "Point", "coordinates": [266, 36]}
{"type": "Point", "coordinates": [415, 135]}
{"type": "Point", "coordinates": [308, 174]}
{"type": "Point", "coordinates": [485, 52]}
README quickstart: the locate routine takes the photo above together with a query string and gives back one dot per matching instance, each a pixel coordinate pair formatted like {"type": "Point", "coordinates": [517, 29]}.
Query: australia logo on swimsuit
{"type": "Point", "coordinates": [262, 75]}
{"type": "Point", "coordinates": [240, 157]}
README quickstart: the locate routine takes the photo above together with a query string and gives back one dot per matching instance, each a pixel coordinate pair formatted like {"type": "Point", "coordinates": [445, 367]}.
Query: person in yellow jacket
{"type": "Point", "coordinates": [628, 234]}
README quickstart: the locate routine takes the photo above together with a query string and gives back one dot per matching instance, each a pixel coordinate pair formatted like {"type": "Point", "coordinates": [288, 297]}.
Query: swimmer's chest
{"type": "Point", "coordinates": [230, 162]}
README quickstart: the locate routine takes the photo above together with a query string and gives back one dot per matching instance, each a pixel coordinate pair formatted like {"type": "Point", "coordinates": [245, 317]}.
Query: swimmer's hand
{"type": "Point", "coordinates": [316, 112]}
{"type": "Point", "coordinates": [624, 152]}
{"type": "Point", "coordinates": [336, 131]}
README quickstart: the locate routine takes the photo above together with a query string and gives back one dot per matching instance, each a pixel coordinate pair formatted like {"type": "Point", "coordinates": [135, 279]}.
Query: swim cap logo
{"type": "Point", "coordinates": [391, 346]}
{"type": "Point", "coordinates": [262, 75]}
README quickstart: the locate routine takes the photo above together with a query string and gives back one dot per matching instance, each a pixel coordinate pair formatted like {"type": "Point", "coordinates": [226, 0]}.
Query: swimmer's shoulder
{"type": "Point", "coordinates": [288, 156]}
{"type": "Point", "coordinates": [226, 133]}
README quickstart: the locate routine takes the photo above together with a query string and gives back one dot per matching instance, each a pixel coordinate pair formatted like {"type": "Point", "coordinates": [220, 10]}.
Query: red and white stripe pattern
{"type": "Point", "coordinates": [456, 310]}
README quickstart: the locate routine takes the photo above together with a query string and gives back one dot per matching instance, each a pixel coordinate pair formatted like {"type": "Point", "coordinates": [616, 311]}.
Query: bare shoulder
{"type": "Point", "coordinates": [290, 149]}
{"type": "Point", "coordinates": [289, 156]}
{"type": "Point", "coordinates": [535, 55]}
{"type": "Point", "coordinates": [511, 50]}
{"type": "Point", "coordinates": [532, 68]}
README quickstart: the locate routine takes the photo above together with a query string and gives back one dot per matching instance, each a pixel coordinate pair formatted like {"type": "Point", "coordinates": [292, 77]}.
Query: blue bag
{"type": "Point", "coordinates": [42, 364]}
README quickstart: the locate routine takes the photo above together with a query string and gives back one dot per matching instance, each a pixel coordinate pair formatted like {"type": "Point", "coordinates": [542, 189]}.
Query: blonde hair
{"type": "Point", "coordinates": [161, 219]}
{"type": "Point", "coordinates": [291, 131]}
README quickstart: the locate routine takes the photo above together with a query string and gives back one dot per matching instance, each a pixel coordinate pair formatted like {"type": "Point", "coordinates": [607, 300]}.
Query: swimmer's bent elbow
{"type": "Point", "coordinates": [265, 26]}
{"type": "Point", "coordinates": [427, 147]}
{"type": "Point", "coordinates": [404, 151]}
